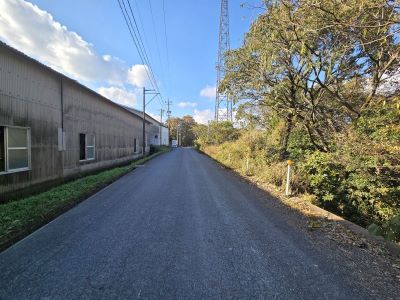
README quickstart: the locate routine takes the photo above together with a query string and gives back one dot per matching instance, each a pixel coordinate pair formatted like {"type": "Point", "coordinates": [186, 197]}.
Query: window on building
{"type": "Point", "coordinates": [14, 149]}
{"type": "Point", "coordinates": [86, 146]}
{"type": "Point", "coordinates": [134, 145]}
{"type": "Point", "coordinates": [82, 146]}
{"type": "Point", "coordinates": [90, 145]}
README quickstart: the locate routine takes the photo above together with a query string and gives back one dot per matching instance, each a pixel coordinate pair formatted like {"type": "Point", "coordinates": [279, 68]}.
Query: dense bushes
{"type": "Point", "coordinates": [390, 229]}
{"type": "Point", "coordinates": [359, 179]}
{"type": "Point", "coordinates": [315, 82]}
{"type": "Point", "coordinates": [325, 178]}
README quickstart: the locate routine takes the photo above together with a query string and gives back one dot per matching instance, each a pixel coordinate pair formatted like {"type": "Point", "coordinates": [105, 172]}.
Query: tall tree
{"type": "Point", "coordinates": [310, 63]}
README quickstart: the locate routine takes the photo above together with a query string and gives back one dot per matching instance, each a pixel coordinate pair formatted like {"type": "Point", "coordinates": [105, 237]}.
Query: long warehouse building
{"type": "Point", "coordinates": [53, 128]}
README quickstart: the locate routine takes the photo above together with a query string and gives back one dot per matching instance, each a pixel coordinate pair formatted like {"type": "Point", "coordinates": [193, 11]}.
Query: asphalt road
{"type": "Point", "coordinates": [180, 227]}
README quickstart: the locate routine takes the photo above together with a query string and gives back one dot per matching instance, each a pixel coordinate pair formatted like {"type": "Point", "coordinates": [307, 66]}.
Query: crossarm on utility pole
{"type": "Point", "coordinates": [144, 117]}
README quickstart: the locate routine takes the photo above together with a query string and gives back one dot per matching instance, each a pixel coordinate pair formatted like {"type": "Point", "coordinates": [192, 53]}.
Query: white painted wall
{"type": "Point", "coordinates": [164, 136]}
{"type": "Point", "coordinates": [159, 136]}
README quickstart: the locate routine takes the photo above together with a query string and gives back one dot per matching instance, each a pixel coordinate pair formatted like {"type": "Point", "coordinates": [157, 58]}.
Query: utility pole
{"type": "Point", "coordinates": [161, 126]}
{"type": "Point", "coordinates": [144, 124]}
{"type": "Point", "coordinates": [177, 134]}
{"type": "Point", "coordinates": [169, 126]}
{"type": "Point", "coordinates": [152, 92]}
{"type": "Point", "coordinates": [208, 131]}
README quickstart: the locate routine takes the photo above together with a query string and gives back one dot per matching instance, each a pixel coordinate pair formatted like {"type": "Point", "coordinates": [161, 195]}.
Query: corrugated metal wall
{"type": "Point", "coordinates": [114, 128]}
{"type": "Point", "coordinates": [30, 96]}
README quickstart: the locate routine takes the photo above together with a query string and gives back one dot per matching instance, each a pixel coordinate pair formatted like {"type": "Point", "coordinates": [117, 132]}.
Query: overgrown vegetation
{"type": "Point", "coordinates": [21, 217]}
{"type": "Point", "coordinates": [316, 82]}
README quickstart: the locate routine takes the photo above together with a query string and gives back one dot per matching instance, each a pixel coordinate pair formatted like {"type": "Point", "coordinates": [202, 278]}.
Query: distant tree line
{"type": "Point", "coordinates": [185, 127]}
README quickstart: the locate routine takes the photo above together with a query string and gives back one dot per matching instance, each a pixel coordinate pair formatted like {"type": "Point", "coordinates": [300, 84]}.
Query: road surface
{"type": "Point", "coordinates": [180, 227]}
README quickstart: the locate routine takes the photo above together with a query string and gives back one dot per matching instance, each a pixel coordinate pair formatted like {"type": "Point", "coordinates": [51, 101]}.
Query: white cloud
{"type": "Point", "coordinates": [203, 116]}
{"type": "Point", "coordinates": [120, 95]}
{"type": "Point", "coordinates": [390, 85]}
{"type": "Point", "coordinates": [208, 92]}
{"type": "Point", "coordinates": [35, 32]}
{"type": "Point", "coordinates": [187, 104]}
{"type": "Point", "coordinates": [154, 116]}
{"type": "Point", "coordinates": [137, 75]}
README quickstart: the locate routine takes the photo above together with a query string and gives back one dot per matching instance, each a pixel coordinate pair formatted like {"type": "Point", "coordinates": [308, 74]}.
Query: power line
{"type": "Point", "coordinates": [141, 42]}
{"type": "Point", "coordinates": [166, 39]}
{"type": "Point", "coordinates": [143, 29]}
{"type": "Point", "coordinates": [144, 40]}
{"type": "Point", "coordinates": [138, 42]}
{"type": "Point", "coordinates": [145, 52]}
{"type": "Point", "coordinates": [134, 38]}
{"type": "Point", "coordinates": [156, 37]}
{"type": "Point", "coordinates": [162, 67]}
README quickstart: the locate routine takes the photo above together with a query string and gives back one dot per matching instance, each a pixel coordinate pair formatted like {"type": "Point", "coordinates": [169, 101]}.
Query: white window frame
{"type": "Point", "coordinates": [6, 150]}
{"type": "Point", "coordinates": [94, 147]}
{"type": "Point", "coordinates": [86, 147]}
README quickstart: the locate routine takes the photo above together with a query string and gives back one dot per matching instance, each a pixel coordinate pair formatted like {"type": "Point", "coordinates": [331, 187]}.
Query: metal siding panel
{"type": "Point", "coordinates": [30, 96]}
{"type": "Point", "coordinates": [115, 129]}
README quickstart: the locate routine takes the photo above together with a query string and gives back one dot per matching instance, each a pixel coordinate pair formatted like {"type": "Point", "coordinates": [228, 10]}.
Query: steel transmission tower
{"type": "Point", "coordinates": [223, 105]}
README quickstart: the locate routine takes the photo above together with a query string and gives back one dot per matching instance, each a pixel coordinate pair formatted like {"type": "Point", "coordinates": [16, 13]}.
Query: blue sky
{"type": "Point", "coordinates": [101, 51]}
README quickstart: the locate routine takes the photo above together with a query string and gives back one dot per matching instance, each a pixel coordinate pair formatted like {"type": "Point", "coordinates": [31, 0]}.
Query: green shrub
{"type": "Point", "coordinates": [370, 151]}
{"type": "Point", "coordinates": [299, 145]}
{"type": "Point", "coordinates": [326, 180]}
{"type": "Point", "coordinates": [359, 179]}
{"type": "Point", "coordinates": [275, 174]}
{"type": "Point", "coordinates": [390, 230]}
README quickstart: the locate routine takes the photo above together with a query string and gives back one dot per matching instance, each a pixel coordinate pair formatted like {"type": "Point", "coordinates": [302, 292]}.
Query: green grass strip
{"type": "Point", "coordinates": [21, 217]}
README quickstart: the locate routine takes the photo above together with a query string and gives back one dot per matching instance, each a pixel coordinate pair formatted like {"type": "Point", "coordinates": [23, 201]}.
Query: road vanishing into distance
{"type": "Point", "coordinates": [183, 227]}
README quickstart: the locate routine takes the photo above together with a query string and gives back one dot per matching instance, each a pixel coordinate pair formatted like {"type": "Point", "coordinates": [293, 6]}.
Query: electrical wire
{"type": "Point", "coordinates": [162, 102]}
{"type": "Point", "coordinates": [166, 40]}
{"type": "Point", "coordinates": [156, 37]}
{"type": "Point", "coordinates": [135, 39]}
{"type": "Point", "coordinates": [138, 42]}
{"type": "Point", "coordinates": [141, 42]}
{"type": "Point", "coordinates": [144, 40]}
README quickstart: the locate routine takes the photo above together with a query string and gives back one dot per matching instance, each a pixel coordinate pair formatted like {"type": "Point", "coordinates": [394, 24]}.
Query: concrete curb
{"type": "Point", "coordinates": [391, 247]}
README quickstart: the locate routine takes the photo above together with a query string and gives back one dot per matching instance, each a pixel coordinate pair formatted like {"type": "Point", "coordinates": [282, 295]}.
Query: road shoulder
{"type": "Point", "coordinates": [371, 258]}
